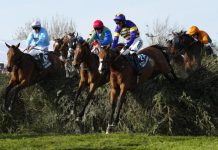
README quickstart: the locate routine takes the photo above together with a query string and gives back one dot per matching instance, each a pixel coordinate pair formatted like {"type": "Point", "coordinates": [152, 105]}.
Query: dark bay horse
{"type": "Point", "coordinates": [60, 47]}
{"type": "Point", "coordinates": [63, 48]}
{"type": "Point", "coordinates": [123, 76]}
{"type": "Point", "coordinates": [189, 49]}
{"type": "Point", "coordinates": [89, 75]}
{"type": "Point", "coordinates": [25, 72]}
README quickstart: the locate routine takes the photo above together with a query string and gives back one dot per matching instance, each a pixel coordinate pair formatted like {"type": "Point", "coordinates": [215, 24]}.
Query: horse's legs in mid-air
{"type": "Point", "coordinates": [114, 95]}
{"type": "Point", "coordinates": [15, 90]}
{"type": "Point", "coordinates": [173, 72]}
{"type": "Point", "coordinates": [81, 86]}
{"type": "Point", "coordinates": [92, 88]}
{"type": "Point", "coordinates": [6, 101]}
{"type": "Point", "coordinates": [122, 99]}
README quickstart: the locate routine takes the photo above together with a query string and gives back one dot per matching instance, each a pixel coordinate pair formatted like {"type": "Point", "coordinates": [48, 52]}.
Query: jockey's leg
{"type": "Point", "coordinates": [134, 48]}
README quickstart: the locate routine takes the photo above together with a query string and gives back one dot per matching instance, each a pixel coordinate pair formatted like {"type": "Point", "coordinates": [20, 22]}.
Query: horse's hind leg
{"type": "Point", "coordinates": [92, 89]}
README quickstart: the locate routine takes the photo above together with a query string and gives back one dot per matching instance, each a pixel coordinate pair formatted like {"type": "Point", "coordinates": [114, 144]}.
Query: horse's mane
{"type": "Point", "coordinates": [158, 46]}
{"type": "Point", "coordinates": [26, 55]}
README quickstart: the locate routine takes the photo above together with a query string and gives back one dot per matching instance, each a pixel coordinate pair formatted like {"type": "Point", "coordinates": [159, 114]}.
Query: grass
{"type": "Point", "coordinates": [118, 141]}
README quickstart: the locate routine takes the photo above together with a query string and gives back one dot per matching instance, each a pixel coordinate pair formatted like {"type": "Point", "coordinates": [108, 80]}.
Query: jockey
{"type": "Point", "coordinates": [130, 32]}
{"type": "Point", "coordinates": [202, 37]}
{"type": "Point", "coordinates": [101, 35]}
{"type": "Point", "coordinates": [37, 44]}
{"type": "Point", "coordinates": [199, 35]}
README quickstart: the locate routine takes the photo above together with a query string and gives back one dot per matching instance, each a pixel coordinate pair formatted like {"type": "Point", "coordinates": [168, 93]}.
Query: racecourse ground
{"type": "Point", "coordinates": [102, 141]}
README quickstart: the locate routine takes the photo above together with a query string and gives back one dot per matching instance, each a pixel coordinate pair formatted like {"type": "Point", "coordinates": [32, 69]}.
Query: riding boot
{"type": "Point", "coordinates": [46, 63]}
{"type": "Point", "coordinates": [136, 62]}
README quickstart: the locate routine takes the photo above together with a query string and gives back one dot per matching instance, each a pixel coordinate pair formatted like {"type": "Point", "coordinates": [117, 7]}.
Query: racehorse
{"type": "Point", "coordinates": [123, 76]}
{"type": "Point", "coordinates": [63, 47]}
{"type": "Point", "coordinates": [24, 72]}
{"type": "Point", "coordinates": [60, 47]}
{"type": "Point", "coordinates": [191, 50]}
{"type": "Point", "coordinates": [89, 75]}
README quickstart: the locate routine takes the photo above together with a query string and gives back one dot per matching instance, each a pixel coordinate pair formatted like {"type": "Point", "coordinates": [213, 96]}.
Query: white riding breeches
{"type": "Point", "coordinates": [38, 50]}
{"type": "Point", "coordinates": [134, 48]}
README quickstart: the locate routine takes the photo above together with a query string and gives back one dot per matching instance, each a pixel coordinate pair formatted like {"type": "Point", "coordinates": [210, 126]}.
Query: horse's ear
{"type": "Point", "coordinates": [174, 34]}
{"type": "Point", "coordinates": [7, 45]}
{"type": "Point", "coordinates": [17, 45]}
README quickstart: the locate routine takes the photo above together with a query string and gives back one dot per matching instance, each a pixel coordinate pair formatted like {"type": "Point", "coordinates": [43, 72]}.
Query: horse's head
{"type": "Point", "coordinates": [103, 55]}
{"type": "Point", "coordinates": [73, 39]}
{"type": "Point", "coordinates": [81, 52]}
{"type": "Point", "coordinates": [108, 56]}
{"type": "Point", "coordinates": [60, 47]}
{"type": "Point", "coordinates": [181, 41]}
{"type": "Point", "coordinates": [14, 56]}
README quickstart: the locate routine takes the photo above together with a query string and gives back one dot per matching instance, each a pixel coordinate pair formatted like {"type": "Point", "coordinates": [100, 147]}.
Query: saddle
{"type": "Point", "coordinates": [138, 62]}
{"type": "Point", "coordinates": [42, 61]}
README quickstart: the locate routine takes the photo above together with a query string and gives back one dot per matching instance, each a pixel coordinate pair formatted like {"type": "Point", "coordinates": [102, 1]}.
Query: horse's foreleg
{"type": "Point", "coordinates": [173, 72]}
{"type": "Point", "coordinates": [114, 96]}
{"type": "Point", "coordinates": [122, 99]}
{"type": "Point", "coordinates": [92, 89]}
{"type": "Point", "coordinates": [5, 94]}
{"type": "Point", "coordinates": [16, 89]}
{"type": "Point", "coordinates": [81, 86]}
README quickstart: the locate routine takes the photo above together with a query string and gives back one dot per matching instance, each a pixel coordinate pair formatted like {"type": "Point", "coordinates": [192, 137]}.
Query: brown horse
{"type": "Point", "coordinates": [89, 75]}
{"type": "Point", "coordinates": [62, 48]}
{"type": "Point", "coordinates": [123, 76]}
{"type": "Point", "coordinates": [25, 72]}
{"type": "Point", "coordinates": [191, 50]}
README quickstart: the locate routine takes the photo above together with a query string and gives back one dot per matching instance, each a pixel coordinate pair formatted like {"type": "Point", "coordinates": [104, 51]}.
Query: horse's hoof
{"type": "Point", "coordinates": [78, 119]}
{"type": "Point", "coordinates": [109, 129]}
{"type": "Point", "coordinates": [9, 108]}
{"type": "Point", "coordinates": [59, 92]}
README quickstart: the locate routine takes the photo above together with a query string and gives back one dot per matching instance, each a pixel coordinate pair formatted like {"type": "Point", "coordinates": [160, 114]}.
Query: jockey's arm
{"type": "Point", "coordinates": [92, 38]}
{"type": "Point", "coordinates": [115, 41]}
{"type": "Point", "coordinates": [116, 37]}
{"type": "Point", "coordinates": [107, 39]}
{"type": "Point", "coordinates": [205, 39]}
{"type": "Point", "coordinates": [29, 40]}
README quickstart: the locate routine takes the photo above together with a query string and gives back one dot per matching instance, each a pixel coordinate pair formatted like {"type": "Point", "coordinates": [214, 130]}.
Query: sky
{"type": "Point", "coordinates": [184, 13]}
